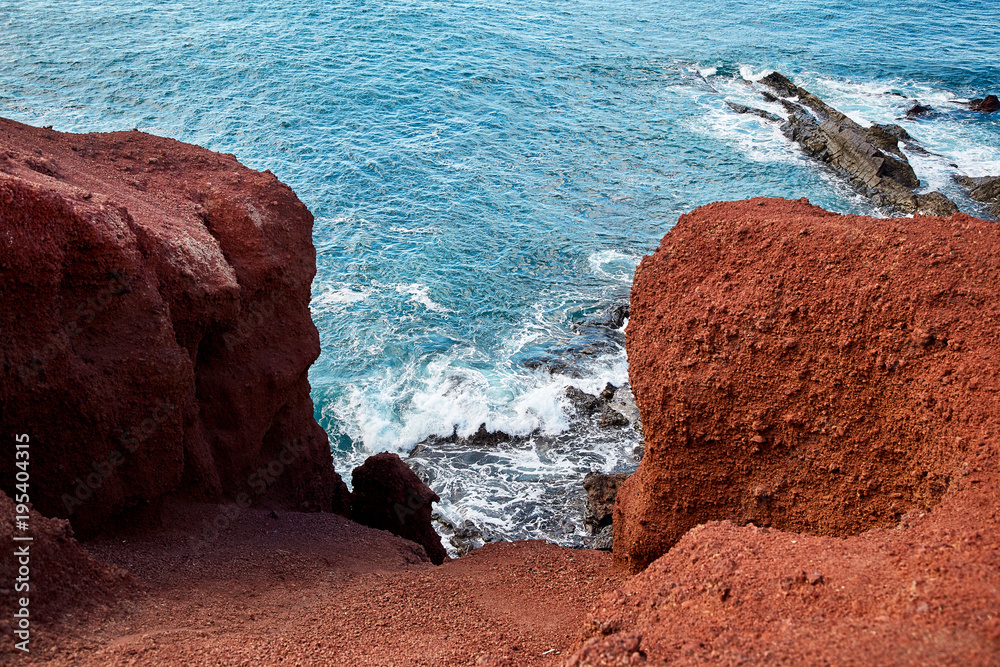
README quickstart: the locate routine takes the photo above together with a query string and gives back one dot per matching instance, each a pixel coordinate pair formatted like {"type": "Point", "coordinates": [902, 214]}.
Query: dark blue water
{"type": "Point", "coordinates": [485, 175]}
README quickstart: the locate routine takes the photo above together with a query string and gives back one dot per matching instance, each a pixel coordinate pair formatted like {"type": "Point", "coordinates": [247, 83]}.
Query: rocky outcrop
{"type": "Point", "coordinates": [155, 334]}
{"type": "Point", "coordinates": [602, 489]}
{"type": "Point", "coordinates": [826, 387]}
{"type": "Point", "coordinates": [869, 158]}
{"type": "Point", "coordinates": [987, 104]}
{"type": "Point", "coordinates": [389, 496]}
{"type": "Point", "coordinates": [985, 189]}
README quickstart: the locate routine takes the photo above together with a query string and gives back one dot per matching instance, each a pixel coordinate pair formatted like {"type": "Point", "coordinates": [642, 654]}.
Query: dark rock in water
{"type": "Point", "coordinates": [583, 402]}
{"type": "Point", "coordinates": [482, 438]}
{"type": "Point", "coordinates": [639, 452]}
{"type": "Point", "coordinates": [597, 334]}
{"type": "Point", "coordinates": [609, 392]}
{"type": "Point", "coordinates": [554, 365]}
{"type": "Point", "coordinates": [611, 418]}
{"type": "Point", "coordinates": [389, 496]}
{"type": "Point", "coordinates": [985, 189]}
{"type": "Point", "coordinates": [870, 158]}
{"type": "Point", "coordinates": [988, 104]}
{"type": "Point", "coordinates": [594, 340]}
{"type": "Point", "coordinates": [612, 318]}
{"type": "Point", "coordinates": [917, 110]}
{"type": "Point", "coordinates": [742, 108]}
{"type": "Point", "coordinates": [780, 84]}
{"type": "Point", "coordinates": [601, 489]}
{"type": "Point", "coordinates": [935, 203]}
{"type": "Point", "coordinates": [603, 540]}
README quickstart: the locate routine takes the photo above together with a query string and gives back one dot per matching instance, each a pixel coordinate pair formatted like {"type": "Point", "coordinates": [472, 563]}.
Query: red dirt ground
{"type": "Point", "coordinates": [318, 589]}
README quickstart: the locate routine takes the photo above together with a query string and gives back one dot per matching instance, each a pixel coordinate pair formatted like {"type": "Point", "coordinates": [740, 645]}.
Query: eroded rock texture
{"type": "Point", "coordinates": [154, 326]}
{"type": "Point", "coordinates": [821, 392]}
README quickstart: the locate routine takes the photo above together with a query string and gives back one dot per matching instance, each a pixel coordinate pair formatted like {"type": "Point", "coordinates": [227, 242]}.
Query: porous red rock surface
{"type": "Point", "coordinates": [154, 327]}
{"type": "Point", "coordinates": [834, 377]}
{"type": "Point", "coordinates": [60, 574]}
{"type": "Point", "coordinates": [389, 496]}
{"type": "Point", "coordinates": [317, 589]}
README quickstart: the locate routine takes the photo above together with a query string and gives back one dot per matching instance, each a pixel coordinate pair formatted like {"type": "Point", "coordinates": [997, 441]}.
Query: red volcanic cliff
{"type": "Point", "coordinates": [154, 327]}
{"type": "Point", "coordinates": [830, 383]}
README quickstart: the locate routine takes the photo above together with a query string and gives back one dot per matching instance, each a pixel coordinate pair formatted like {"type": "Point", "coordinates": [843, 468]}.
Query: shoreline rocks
{"type": "Point", "coordinates": [869, 158]}
{"type": "Point", "coordinates": [602, 489]}
{"type": "Point", "coordinates": [984, 189]}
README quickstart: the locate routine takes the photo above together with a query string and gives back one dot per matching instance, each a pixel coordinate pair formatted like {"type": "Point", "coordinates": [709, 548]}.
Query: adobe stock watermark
{"type": "Point", "coordinates": [86, 312]}
{"type": "Point", "coordinates": [131, 440]}
{"type": "Point", "coordinates": [258, 483]}
{"type": "Point", "coordinates": [252, 322]}
{"type": "Point", "coordinates": [22, 543]}
{"type": "Point", "coordinates": [414, 503]}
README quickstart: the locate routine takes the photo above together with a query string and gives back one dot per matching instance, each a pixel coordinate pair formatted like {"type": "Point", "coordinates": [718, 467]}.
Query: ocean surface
{"type": "Point", "coordinates": [485, 177]}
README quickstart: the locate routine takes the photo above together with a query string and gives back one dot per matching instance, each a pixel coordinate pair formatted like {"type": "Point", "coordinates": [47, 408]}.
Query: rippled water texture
{"type": "Point", "coordinates": [485, 175]}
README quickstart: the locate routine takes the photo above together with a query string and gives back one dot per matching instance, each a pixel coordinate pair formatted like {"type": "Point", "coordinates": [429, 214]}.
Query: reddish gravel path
{"type": "Point", "coordinates": [318, 589]}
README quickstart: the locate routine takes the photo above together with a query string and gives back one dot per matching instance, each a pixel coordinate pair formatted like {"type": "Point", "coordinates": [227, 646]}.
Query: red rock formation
{"type": "Point", "coordinates": [154, 326]}
{"type": "Point", "coordinates": [389, 496]}
{"type": "Point", "coordinates": [835, 376]}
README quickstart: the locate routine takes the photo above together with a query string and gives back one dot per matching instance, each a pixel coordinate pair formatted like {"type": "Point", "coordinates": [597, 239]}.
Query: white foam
{"type": "Point", "coordinates": [413, 230]}
{"type": "Point", "coordinates": [758, 139]}
{"type": "Point", "coordinates": [747, 73]}
{"type": "Point", "coordinates": [934, 172]}
{"type": "Point", "coordinates": [332, 298]}
{"type": "Point", "coordinates": [614, 264]}
{"type": "Point", "coordinates": [418, 294]}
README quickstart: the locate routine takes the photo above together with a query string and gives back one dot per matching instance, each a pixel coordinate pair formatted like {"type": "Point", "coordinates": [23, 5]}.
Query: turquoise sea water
{"type": "Point", "coordinates": [486, 175]}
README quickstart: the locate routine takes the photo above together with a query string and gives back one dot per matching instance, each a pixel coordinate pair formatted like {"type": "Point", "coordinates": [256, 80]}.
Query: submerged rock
{"type": "Point", "coordinates": [598, 334]}
{"type": "Point", "coordinates": [389, 496]}
{"type": "Point", "coordinates": [744, 109]}
{"type": "Point", "coordinates": [918, 110]}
